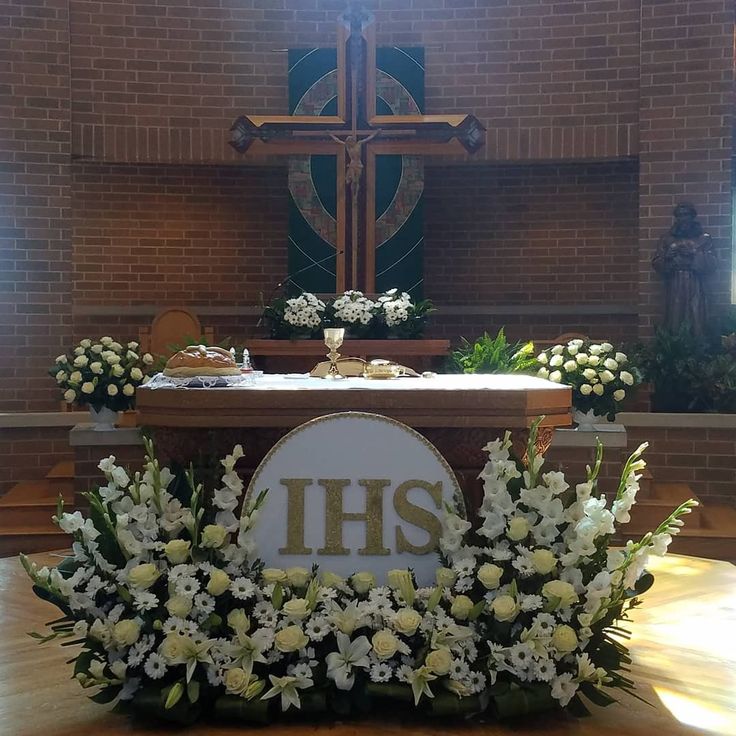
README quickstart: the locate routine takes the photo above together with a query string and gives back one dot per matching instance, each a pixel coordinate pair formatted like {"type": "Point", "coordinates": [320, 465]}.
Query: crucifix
{"type": "Point", "coordinates": [356, 135]}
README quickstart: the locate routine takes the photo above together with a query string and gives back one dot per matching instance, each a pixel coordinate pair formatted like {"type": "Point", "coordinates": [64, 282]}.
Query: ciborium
{"type": "Point", "coordinates": [333, 340]}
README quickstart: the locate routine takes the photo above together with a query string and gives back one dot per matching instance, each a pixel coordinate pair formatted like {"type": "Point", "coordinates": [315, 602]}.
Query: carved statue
{"type": "Point", "coordinates": [684, 258]}
{"type": "Point", "coordinates": [354, 152]}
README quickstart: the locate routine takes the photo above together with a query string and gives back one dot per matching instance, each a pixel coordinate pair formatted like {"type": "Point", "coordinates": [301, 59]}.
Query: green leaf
{"type": "Point", "coordinates": [106, 695]}
{"type": "Point", "coordinates": [193, 691]}
{"type": "Point", "coordinates": [277, 598]}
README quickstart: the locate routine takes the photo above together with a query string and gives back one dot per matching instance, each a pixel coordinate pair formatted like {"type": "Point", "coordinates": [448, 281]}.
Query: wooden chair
{"type": "Point", "coordinates": [562, 339]}
{"type": "Point", "coordinates": [173, 329]}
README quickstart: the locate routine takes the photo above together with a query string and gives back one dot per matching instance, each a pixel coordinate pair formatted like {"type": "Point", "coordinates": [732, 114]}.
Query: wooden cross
{"type": "Point", "coordinates": [356, 135]}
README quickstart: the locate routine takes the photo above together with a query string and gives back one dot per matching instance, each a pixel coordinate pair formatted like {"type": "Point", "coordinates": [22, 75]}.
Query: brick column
{"type": "Point", "coordinates": [685, 133]}
{"type": "Point", "coordinates": [35, 242]}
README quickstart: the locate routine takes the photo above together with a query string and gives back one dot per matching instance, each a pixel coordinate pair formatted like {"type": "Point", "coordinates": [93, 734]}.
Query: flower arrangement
{"type": "Point", "coordinates": [178, 618]}
{"type": "Point", "coordinates": [102, 374]}
{"type": "Point", "coordinates": [392, 313]}
{"type": "Point", "coordinates": [600, 375]}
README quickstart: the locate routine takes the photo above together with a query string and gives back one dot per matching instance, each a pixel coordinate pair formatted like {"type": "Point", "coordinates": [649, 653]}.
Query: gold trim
{"type": "Point", "coordinates": [457, 491]}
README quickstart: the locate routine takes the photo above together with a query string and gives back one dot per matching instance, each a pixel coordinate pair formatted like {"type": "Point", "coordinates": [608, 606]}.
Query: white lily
{"type": "Point", "coordinates": [350, 654]}
{"type": "Point", "coordinates": [419, 680]}
{"type": "Point", "coordinates": [287, 688]}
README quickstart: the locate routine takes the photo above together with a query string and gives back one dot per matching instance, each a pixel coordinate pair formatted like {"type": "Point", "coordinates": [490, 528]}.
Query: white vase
{"type": "Point", "coordinates": [586, 421]}
{"type": "Point", "coordinates": [103, 419]}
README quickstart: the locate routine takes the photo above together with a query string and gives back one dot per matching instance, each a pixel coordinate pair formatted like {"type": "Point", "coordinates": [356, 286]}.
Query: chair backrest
{"type": "Point", "coordinates": [171, 328]}
{"type": "Point", "coordinates": [561, 339]}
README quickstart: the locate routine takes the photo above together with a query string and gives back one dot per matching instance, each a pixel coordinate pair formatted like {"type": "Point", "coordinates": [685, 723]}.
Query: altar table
{"type": "Point", "coordinates": [459, 414]}
{"type": "Point", "coordinates": [684, 664]}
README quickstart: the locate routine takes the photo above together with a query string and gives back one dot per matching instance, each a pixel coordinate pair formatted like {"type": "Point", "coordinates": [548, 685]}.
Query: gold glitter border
{"type": "Point", "coordinates": [457, 491]}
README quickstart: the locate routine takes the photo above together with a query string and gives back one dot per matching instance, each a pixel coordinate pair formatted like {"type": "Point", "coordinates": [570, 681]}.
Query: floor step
{"type": "Point", "coordinates": [61, 480]}
{"type": "Point", "coordinates": [664, 498]}
{"type": "Point", "coordinates": [31, 540]}
{"type": "Point", "coordinates": [32, 514]}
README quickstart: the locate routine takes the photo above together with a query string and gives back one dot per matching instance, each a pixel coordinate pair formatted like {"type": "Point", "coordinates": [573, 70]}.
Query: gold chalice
{"type": "Point", "coordinates": [333, 340]}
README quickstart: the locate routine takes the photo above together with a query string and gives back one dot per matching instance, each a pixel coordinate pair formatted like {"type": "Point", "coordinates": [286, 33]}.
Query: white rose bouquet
{"type": "Point", "coordinates": [600, 375]}
{"type": "Point", "coordinates": [102, 373]}
{"type": "Point", "coordinates": [177, 617]}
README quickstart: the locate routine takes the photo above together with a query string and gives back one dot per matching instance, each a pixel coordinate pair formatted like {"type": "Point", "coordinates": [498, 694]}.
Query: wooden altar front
{"type": "Point", "coordinates": [459, 414]}
{"type": "Point", "coordinates": [301, 355]}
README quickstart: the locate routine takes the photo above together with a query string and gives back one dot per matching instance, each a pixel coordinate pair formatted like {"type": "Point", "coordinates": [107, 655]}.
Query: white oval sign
{"type": "Point", "coordinates": [351, 492]}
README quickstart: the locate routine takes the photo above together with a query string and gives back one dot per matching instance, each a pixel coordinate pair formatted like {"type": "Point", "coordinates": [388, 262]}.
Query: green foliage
{"type": "Point", "coordinates": [493, 355]}
{"type": "Point", "coordinates": [689, 373]}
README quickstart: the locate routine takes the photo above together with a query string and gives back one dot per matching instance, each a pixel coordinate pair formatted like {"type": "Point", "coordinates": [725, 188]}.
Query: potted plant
{"type": "Point", "coordinates": [600, 376]}
{"type": "Point", "coordinates": [297, 317]}
{"type": "Point", "coordinates": [102, 375]}
{"type": "Point", "coordinates": [396, 315]}
{"type": "Point", "coordinates": [493, 355]}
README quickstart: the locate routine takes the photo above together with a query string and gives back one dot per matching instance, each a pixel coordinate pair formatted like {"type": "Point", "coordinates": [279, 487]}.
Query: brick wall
{"type": "Point", "coordinates": [154, 80]}
{"type": "Point", "coordinates": [35, 257]}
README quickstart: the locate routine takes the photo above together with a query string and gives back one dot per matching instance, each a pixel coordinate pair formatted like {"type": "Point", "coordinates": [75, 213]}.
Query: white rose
{"type": "Point", "coordinates": [598, 389]}
{"type": "Point", "coordinates": [112, 359]}
{"type": "Point", "coordinates": [143, 576]}
{"type": "Point", "coordinates": [619, 395]}
{"type": "Point", "coordinates": [129, 389]}
{"type": "Point", "coordinates": [331, 580]}
{"type": "Point", "coordinates": [543, 561]}
{"type": "Point", "coordinates": [96, 367]}
{"type": "Point", "coordinates": [461, 607]}
{"type": "Point", "coordinates": [564, 639]}
{"type": "Point", "coordinates": [218, 583]}
{"type": "Point", "coordinates": [582, 359]}
{"type": "Point", "coordinates": [589, 373]}
{"type": "Point", "coordinates": [96, 349]}
{"type": "Point", "coordinates": [112, 390]}
{"type": "Point", "coordinates": [237, 620]}
{"type": "Point", "coordinates": [518, 528]}
{"type": "Point", "coordinates": [595, 349]}
{"type": "Point", "coordinates": [290, 639]}
{"type": "Point", "coordinates": [125, 633]}
{"type": "Point", "coordinates": [556, 361]}
{"type": "Point", "coordinates": [88, 387]}
{"type": "Point", "coordinates": [80, 361]}
{"type": "Point", "coordinates": [606, 376]}
{"type": "Point", "coordinates": [606, 347]}
{"type": "Point", "coordinates": [570, 366]}
{"type": "Point", "coordinates": [106, 340]}
{"type": "Point", "coordinates": [213, 536]}
{"type": "Point", "coordinates": [586, 389]}
{"type": "Point", "coordinates": [490, 575]}
{"type": "Point", "coordinates": [117, 371]}
{"type": "Point", "coordinates": [148, 359]}
{"type": "Point", "coordinates": [177, 550]}
{"type": "Point", "coordinates": [406, 621]}
{"type": "Point", "coordinates": [445, 577]}
{"type": "Point", "coordinates": [505, 608]}
{"type": "Point", "coordinates": [439, 661]}
{"type": "Point", "coordinates": [542, 358]}
{"type": "Point", "coordinates": [273, 575]}
{"type": "Point", "coordinates": [594, 360]}
{"type": "Point", "coordinates": [385, 644]}
{"type": "Point", "coordinates": [558, 350]}
{"type": "Point", "coordinates": [62, 359]}
{"type": "Point", "coordinates": [621, 358]}
{"type": "Point", "coordinates": [296, 608]}
{"type": "Point", "coordinates": [75, 377]}
{"type": "Point", "coordinates": [70, 395]}
{"type": "Point", "coordinates": [555, 376]}
{"type": "Point", "coordinates": [179, 605]}
{"type": "Point", "coordinates": [627, 378]}
{"type": "Point", "coordinates": [79, 351]}
{"type": "Point", "coordinates": [561, 590]}
{"type": "Point", "coordinates": [543, 372]}
{"type": "Point", "coordinates": [362, 582]}
{"type": "Point", "coordinates": [573, 349]}
{"type": "Point", "coordinates": [611, 364]}
{"type": "Point", "coordinates": [297, 577]}
{"type": "Point", "coordinates": [237, 681]}
{"type": "Point", "coordinates": [136, 374]}
{"type": "Point", "coordinates": [61, 376]}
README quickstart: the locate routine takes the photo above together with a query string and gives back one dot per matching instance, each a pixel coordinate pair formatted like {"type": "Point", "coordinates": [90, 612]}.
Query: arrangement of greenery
{"type": "Point", "coordinates": [102, 373]}
{"type": "Point", "coordinates": [177, 617]}
{"type": "Point", "coordinates": [600, 375]}
{"type": "Point", "coordinates": [391, 314]}
{"type": "Point", "coordinates": [493, 355]}
{"type": "Point", "coordinates": [690, 373]}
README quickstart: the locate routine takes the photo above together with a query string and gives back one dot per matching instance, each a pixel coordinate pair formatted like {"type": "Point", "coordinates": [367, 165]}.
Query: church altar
{"type": "Point", "coordinates": [669, 646]}
{"type": "Point", "coordinates": [459, 414]}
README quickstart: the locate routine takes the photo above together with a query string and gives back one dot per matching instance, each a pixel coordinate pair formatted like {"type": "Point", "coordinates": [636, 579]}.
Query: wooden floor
{"type": "Point", "coordinates": [684, 649]}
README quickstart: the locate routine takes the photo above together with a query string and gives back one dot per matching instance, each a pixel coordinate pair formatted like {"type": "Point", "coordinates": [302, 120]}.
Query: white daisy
{"type": "Point", "coordinates": [187, 586]}
{"type": "Point", "coordinates": [317, 628]}
{"type": "Point", "coordinates": [381, 672]}
{"type": "Point", "coordinates": [242, 588]}
{"type": "Point", "coordinates": [155, 667]}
